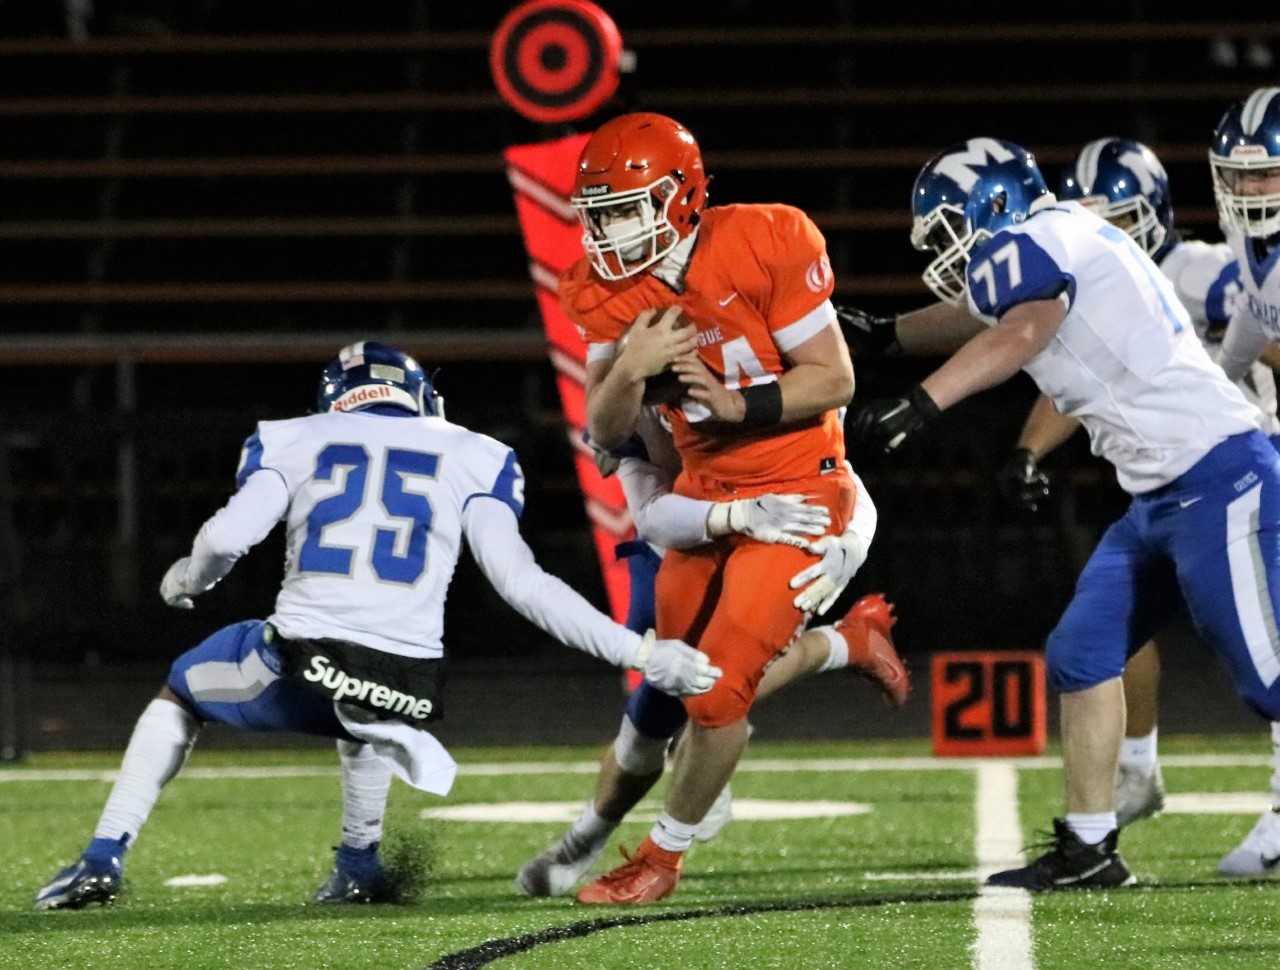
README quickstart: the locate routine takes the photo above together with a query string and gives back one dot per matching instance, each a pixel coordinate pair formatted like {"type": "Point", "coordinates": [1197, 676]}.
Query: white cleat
{"type": "Point", "coordinates": [1138, 795]}
{"type": "Point", "coordinates": [718, 816]}
{"type": "Point", "coordinates": [1259, 853]}
{"type": "Point", "coordinates": [557, 870]}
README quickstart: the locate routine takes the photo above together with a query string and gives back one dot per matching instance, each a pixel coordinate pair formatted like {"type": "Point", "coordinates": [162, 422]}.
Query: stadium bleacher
{"type": "Point", "coordinates": [201, 206]}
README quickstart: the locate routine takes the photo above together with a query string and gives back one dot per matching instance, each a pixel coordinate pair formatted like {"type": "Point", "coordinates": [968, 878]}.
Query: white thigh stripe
{"type": "Point", "coordinates": [218, 681]}
{"type": "Point", "coordinates": [1249, 585]}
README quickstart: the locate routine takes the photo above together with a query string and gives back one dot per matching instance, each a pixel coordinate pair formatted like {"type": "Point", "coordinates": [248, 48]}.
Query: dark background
{"type": "Point", "coordinates": [343, 161]}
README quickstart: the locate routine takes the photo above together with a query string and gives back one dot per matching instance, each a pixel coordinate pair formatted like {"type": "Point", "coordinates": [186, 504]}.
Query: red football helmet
{"type": "Point", "coordinates": [639, 190]}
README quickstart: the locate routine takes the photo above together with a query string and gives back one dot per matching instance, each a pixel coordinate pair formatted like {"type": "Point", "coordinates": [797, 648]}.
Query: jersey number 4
{"type": "Point", "coordinates": [391, 564]}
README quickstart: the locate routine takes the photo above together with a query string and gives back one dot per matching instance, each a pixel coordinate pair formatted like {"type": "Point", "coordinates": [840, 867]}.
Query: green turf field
{"type": "Point", "coordinates": [892, 884]}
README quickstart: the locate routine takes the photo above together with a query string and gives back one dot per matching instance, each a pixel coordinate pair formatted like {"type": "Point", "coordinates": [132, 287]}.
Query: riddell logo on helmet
{"type": "Point", "coordinates": [360, 396]}
{"type": "Point", "coordinates": [589, 190]}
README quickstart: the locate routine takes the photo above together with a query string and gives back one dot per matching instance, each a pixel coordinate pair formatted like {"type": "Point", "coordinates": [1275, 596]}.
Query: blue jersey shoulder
{"type": "Point", "coordinates": [1220, 300]}
{"type": "Point", "coordinates": [495, 473]}
{"type": "Point", "coordinates": [1012, 268]}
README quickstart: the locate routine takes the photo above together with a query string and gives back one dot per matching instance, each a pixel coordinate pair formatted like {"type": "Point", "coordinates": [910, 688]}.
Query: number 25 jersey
{"type": "Point", "coordinates": [757, 284]}
{"type": "Point", "coordinates": [374, 522]}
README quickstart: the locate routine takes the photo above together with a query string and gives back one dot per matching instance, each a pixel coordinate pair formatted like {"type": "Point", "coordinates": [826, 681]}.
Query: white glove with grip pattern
{"type": "Point", "coordinates": [824, 581]}
{"type": "Point", "coordinates": [173, 588]}
{"type": "Point", "coordinates": [784, 519]}
{"type": "Point", "coordinates": [674, 667]}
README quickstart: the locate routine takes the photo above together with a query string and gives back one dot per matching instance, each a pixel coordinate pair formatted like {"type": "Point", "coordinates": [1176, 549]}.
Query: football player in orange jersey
{"type": "Point", "coordinates": [765, 370]}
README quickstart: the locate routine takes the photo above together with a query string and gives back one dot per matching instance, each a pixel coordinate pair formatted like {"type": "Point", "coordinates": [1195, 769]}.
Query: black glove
{"type": "Point", "coordinates": [887, 422]}
{"type": "Point", "coordinates": [867, 335]}
{"type": "Point", "coordinates": [1022, 482]}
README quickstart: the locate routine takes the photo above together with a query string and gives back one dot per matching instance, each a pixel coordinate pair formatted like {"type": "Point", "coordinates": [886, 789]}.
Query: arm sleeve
{"type": "Point", "coordinates": [865, 516]}
{"type": "Point", "coordinates": [662, 517]}
{"type": "Point", "coordinates": [236, 528]}
{"type": "Point", "coordinates": [542, 599]}
{"type": "Point", "coordinates": [1243, 343]}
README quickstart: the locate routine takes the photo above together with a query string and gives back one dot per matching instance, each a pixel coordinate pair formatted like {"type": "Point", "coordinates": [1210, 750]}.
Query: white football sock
{"type": "Point", "coordinates": [1091, 827]}
{"type": "Point", "coordinates": [671, 835]}
{"type": "Point", "coordinates": [590, 828]}
{"type": "Point", "coordinates": [161, 740]}
{"type": "Point", "coordinates": [1275, 765]}
{"type": "Point", "coordinates": [837, 649]}
{"type": "Point", "coordinates": [366, 782]}
{"type": "Point", "coordinates": [1139, 754]}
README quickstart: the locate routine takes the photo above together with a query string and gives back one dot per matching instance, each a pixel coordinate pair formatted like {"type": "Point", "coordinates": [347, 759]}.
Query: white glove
{"type": "Point", "coordinates": [785, 519]}
{"type": "Point", "coordinates": [674, 667]}
{"type": "Point", "coordinates": [173, 588]}
{"type": "Point", "coordinates": [842, 557]}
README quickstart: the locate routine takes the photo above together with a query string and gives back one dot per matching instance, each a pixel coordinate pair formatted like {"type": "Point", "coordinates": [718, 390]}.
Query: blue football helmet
{"type": "Point", "coordinates": [1122, 180]}
{"type": "Point", "coordinates": [1246, 144]}
{"type": "Point", "coordinates": [368, 373]}
{"type": "Point", "coordinates": [963, 197]}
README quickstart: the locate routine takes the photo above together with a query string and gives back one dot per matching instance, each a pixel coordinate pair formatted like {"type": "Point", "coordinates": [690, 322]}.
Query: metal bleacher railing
{"type": "Point", "coordinates": [1113, 99]}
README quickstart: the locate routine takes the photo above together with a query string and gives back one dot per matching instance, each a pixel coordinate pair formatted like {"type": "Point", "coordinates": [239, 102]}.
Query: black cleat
{"type": "Point", "coordinates": [343, 887]}
{"type": "Point", "coordinates": [357, 877]}
{"type": "Point", "coordinates": [1070, 864]}
{"type": "Point", "coordinates": [80, 884]}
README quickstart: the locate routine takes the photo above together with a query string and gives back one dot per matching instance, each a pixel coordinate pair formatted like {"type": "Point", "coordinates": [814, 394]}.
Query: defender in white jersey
{"type": "Point", "coordinates": [1123, 182]}
{"type": "Point", "coordinates": [1245, 163]}
{"type": "Point", "coordinates": [377, 491]}
{"type": "Point", "coordinates": [1076, 303]}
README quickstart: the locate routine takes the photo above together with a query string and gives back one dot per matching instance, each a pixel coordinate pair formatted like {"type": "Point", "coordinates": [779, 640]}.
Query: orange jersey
{"type": "Point", "coordinates": [757, 284]}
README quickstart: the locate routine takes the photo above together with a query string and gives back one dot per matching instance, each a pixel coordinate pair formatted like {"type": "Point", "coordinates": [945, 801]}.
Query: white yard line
{"type": "Point", "coordinates": [763, 765]}
{"type": "Point", "coordinates": [1001, 916]}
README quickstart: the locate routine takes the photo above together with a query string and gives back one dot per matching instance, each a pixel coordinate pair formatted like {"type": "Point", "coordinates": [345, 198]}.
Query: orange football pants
{"type": "Point", "coordinates": [732, 601]}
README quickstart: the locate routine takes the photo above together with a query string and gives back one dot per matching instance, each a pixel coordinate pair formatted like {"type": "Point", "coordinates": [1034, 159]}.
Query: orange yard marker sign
{"type": "Point", "coordinates": [988, 703]}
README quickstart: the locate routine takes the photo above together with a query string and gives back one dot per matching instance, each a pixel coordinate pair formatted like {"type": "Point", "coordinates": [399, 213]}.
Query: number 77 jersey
{"type": "Point", "coordinates": [374, 522]}
{"type": "Point", "coordinates": [1126, 360]}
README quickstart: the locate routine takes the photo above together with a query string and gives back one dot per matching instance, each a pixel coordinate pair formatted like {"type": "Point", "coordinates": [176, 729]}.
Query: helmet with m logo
{"type": "Point", "coordinates": [964, 196]}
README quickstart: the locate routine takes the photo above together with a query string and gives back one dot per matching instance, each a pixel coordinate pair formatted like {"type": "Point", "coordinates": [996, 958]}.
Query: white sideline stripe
{"type": "Point", "coordinates": [961, 875]}
{"type": "Point", "coordinates": [1001, 916]}
{"type": "Point", "coordinates": [1217, 803]}
{"type": "Point", "coordinates": [763, 765]}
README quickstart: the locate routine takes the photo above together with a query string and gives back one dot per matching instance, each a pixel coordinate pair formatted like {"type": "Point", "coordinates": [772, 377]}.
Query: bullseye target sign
{"type": "Point", "coordinates": [556, 60]}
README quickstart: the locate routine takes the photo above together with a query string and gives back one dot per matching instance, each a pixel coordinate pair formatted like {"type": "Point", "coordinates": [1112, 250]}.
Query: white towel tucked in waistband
{"type": "Point", "coordinates": [413, 754]}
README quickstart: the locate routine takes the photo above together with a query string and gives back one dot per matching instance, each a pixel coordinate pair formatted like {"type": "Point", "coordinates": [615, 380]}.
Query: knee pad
{"type": "Point", "coordinates": [637, 754]}
{"type": "Point", "coordinates": [653, 713]}
{"type": "Point", "coordinates": [723, 704]}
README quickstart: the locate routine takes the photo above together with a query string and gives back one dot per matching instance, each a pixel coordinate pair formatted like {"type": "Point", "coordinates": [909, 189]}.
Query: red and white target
{"type": "Point", "coordinates": [556, 60]}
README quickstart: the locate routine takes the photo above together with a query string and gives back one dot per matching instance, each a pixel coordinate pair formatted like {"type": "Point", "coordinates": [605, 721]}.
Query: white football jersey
{"type": "Point", "coordinates": [375, 521]}
{"type": "Point", "coordinates": [1126, 360]}
{"type": "Point", "coordinates": [1206, 277]}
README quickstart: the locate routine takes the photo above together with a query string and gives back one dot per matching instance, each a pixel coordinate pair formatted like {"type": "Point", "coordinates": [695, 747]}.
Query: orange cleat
{"type": "Point", "coordinates": [646, 877]}
{"type": "Point", "coordinates": [871, 652]}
